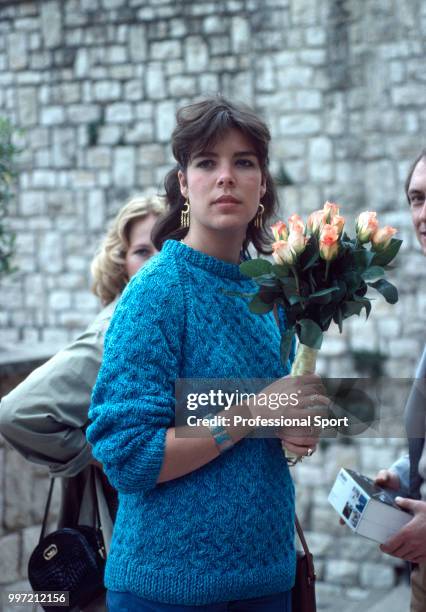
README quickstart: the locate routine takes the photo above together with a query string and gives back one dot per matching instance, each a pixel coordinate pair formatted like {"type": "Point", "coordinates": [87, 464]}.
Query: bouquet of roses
{"type": "Point", "coordinates": [321, 275]}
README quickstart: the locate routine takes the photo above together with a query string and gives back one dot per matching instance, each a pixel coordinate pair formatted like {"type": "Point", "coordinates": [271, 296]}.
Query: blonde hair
{"type": "Point", "coordinates": [108, 266]}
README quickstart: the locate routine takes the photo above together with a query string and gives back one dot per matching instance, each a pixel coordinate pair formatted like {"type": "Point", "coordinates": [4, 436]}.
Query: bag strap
{"type": "Point", "coordinates": [97, 519]}
{"type": "Point", "coordinates": [46, 510]}
{"type": "Point", "coordinates": [309, 558]}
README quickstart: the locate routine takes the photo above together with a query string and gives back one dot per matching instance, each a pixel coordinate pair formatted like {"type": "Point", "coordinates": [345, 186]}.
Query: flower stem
{"type": "Point", "coordinates": [327, 267]}
{"type": "Point", "coordinates": [296, 278]}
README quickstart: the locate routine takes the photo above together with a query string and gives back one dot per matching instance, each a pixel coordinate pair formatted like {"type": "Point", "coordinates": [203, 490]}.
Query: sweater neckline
{"type": "Point", "coordinates": [202, 260]}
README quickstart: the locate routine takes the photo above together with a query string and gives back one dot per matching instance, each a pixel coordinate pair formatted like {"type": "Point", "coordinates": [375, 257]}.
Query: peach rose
{"type": "Point", "coordinates": [283, 253]}
{"type": "Point", "coordinates": [297, 241]}
{"type": "Point", "coordinates": [382, 237]}
{"type": "Point", "coordinates": [338, 222]}
{"type": "Point", "coordinates": [279, 230]}
{"type": "Point", "coordinates": [366, 225]}
{"type": "Point", "coordinates": [330, 210]}
{"type": "Point", "coordinates": [329, 242]}
{"type": "Point", "coordinates": [315, 221]}
{"type": "Point", "coordinates": [295, 223]}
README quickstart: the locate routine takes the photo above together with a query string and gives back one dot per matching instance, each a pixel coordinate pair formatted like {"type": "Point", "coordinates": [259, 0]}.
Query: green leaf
{"type": "Point", "coordinates": [324, 291]}
{"type": "Point", "coordinates": [255, 267]}
{"type": "Point", "coordinates": [267, 280]}
{"type": "Point", "coordinates": [389, 291]}
{"type": "Point", "coordinates": [280, 271]}
{"type": "Point", "coordinates": [372, 273]}
{"type": "Point", "coordinates": [362, 258]}
{"type": "Point", "coordinates": [351, 308]}
{"type": "Point", "coordinates": [383, 258]}
{"type": "Point", "coordinates": [365, 303]}
{"type": "Point", "coordinates": [295, 299]}
{"type": "Point", "coordinates": [285, 345]}
{"type": "Point", "coordinates": [310, 333]}
{"type": "Point", "coordinates": [257, 306]}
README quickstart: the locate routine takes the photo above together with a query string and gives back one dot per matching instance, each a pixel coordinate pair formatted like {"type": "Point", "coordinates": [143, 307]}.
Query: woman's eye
{"type": "Point", "coordinates": [245, 163]}
{"type": "Point", "coordinates": [205, 163]}
{"type": "Point", "coordinates": [143, 252]}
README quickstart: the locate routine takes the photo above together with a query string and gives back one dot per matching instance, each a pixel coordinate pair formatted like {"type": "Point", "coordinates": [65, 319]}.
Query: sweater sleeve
{"type": "Point", "coordinates": [133, 400]}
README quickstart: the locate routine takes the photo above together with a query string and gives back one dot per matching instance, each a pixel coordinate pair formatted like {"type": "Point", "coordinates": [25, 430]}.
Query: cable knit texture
{"type": "Point", "coordinates": [224, 531]}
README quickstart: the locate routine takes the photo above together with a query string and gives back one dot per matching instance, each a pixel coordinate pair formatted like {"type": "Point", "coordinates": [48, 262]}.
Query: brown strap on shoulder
{"type": "Point", "coordinates": [305, 548]}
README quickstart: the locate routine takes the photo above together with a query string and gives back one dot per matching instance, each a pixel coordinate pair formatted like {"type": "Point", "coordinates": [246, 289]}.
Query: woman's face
{"type": "Point", "coordinates": [140, 245]}
{"type": "Point", "coordinates": [224, 185]}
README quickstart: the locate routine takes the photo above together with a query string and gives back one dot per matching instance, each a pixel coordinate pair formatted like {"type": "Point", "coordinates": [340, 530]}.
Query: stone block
{"type": "Point", "coordinates": [82, 64]}
{"type": "Point", "coordinates": [95, 210]}
{"type": "Point", "coordinates": [124, 166]}
{"type": "Point", "coordinates": [164, 120]}
{"type": "Point", "coordinates": [27, 106]}
{"type": "Point", "coordinates": [240, 35]}
{"type": "Point", "coordinates": [51, 23]}
{"type": "Point", "coordinates": [9, 558]}
{"type": "Point", "coordinates": [265, 80]}
{"type": "Point", "coordinates": [109, 134]}
{"type": "Point", "coordinates": [32, 203]}
{"type": "Point", "coordinates": [209, 84]}
{"type": "Point", "coordinates": [133, 90]}
{"type": "Point", "coordinates": [50, 255]}
{"type": "Point", "coordinates": [137, 43]}
{"type": "Point", "coordinates": [52, 115]}
{"type": "Point", "coordinates": [17, 51]}
{"type": "Point", "coordinates": [99, 157]}
{"type": "Point", "coordinates": [295, 76]}
{"type": "Point", "coordinates": [182, 86]}
{"type": "Point", "coordinates": [196, 54]}
{"type": "Point", "coordinates": [155, 85]}
{"type": "Point", "coordinates": [59, 300]}
{"type": "Point", "coordinates": [120, 112]}
{"type": "Point", "coordinates": [142, 131]}
{"type": "Point", "coordinates": [299, 125]}
{"type": "Point", "coordinates": [309, 99]}
{"type": "Point", "coordinates": [105, 91]}
{"type": "Point", "coordinates": [165, 50]}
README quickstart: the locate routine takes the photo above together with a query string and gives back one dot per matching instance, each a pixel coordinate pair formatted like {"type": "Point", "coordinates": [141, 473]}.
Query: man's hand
{"type": "Point", "coordinates": [388, 480]}
{"type": "Point", "coordinates": [410, 541]}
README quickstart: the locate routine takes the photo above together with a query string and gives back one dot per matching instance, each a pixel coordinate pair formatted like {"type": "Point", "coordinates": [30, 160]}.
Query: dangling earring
{"type": "Point", "coordinates": [184, 215]}
{"type": "Point", "coordinates": [258, 217]}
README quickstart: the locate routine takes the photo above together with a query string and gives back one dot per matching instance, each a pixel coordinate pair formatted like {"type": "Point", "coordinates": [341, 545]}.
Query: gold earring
{"type": "Point", "coordinates": [258, 217]}
{"type": "Point", "coordinates": [184, 215]}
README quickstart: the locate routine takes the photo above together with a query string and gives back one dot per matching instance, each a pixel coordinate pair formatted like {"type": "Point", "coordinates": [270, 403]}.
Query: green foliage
{"type": "Point", "coordinates": [8, 153]}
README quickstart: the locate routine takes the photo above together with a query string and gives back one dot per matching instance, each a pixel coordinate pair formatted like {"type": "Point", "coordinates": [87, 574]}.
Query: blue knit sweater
{"type": "Point", "coordinates": [224, 531]}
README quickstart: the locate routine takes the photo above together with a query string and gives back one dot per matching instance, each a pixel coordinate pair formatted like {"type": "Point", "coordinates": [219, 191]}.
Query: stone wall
{"type": "Point", "coordinates": [94, 84]}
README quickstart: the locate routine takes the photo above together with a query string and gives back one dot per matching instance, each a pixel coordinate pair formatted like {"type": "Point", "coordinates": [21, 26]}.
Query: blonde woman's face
{"type": "Point", "coordinates": [140, 246]}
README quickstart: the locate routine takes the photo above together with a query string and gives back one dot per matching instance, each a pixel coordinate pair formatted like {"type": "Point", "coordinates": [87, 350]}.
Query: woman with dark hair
{"type": "Point", "coordinates": [206, 513]}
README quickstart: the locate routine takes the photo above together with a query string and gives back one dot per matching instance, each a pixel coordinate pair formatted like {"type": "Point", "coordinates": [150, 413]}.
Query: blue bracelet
{"type": "Point", "coordinates": [221, 437]}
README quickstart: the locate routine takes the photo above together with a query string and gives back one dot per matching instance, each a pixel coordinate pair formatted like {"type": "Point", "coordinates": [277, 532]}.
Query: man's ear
{"type": "Point", "coordinates": [183, 184]}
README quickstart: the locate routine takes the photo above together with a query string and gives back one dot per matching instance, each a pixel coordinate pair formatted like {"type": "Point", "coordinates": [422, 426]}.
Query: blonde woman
{"type": "Point", "coordinates": [45, 417]}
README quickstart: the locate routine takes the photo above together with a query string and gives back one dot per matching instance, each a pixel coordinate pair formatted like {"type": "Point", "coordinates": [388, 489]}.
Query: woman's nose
{"type": "Point", "coordinates": [225, 178]}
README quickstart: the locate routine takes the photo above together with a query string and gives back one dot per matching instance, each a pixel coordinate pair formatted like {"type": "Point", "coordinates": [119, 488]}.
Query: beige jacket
{"type": "Point", "coordinates": [45, 416]}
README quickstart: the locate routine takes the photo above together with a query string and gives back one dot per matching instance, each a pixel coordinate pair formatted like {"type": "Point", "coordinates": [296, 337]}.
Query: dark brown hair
{"type": "Point", "coordinates": [199, 126]}
{"type": "Point", "coordinates": [421, 156]}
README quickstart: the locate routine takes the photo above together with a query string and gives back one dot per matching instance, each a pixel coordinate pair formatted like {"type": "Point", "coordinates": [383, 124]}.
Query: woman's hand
{"type": "Point", "coordinates": [306, 398]}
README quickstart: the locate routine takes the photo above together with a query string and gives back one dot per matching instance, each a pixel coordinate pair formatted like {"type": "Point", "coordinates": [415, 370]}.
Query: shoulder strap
{"type": "Point", "coordinates": [311, 569]}
{"type": "Point", "coordinates": [46, 510]}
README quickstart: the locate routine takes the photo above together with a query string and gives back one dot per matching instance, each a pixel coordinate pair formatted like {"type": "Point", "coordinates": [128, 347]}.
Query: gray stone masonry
{"type": "Point", "coordinates": [93, 85]}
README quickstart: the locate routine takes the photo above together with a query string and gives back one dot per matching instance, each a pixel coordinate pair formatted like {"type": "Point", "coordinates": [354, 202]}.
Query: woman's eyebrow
{"type": "Point", "coordinates": [236, 154]}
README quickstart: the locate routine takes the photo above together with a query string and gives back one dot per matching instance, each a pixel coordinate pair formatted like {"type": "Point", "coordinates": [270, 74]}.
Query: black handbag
{"type": "Point", "coordinates": [303, 592]}
{"type": "Point", "coordinates": [70, 559]}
